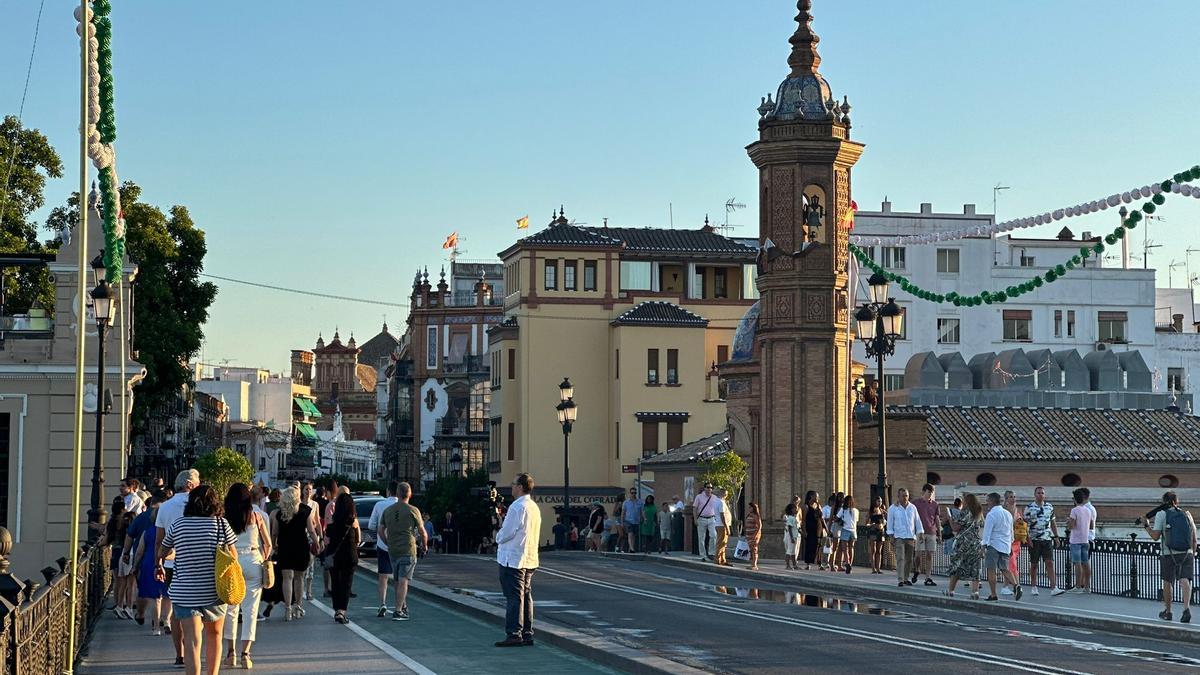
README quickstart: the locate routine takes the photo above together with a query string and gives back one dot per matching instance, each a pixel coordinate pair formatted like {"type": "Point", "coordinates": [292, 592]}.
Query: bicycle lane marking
{"type": "Point", "coordinates": [396, 655]}
{"type": "Point", "coordinates": [980, 657]}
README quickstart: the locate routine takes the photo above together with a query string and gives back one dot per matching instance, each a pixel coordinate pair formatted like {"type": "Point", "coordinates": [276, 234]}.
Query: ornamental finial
{"type": "Point", "coordinates": [804, 57]}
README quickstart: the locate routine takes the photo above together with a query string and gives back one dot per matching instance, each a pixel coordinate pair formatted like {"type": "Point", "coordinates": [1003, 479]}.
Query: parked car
{"type": "Point", "coordinates": [363, 505]}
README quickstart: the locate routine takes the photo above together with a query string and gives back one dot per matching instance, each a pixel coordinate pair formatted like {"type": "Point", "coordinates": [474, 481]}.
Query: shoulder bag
{"type": "Point", "coordinates": [231, 585]}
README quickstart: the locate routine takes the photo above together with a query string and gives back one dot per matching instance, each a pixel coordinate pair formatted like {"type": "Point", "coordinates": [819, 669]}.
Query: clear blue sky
{"type": "Point", "coordinates": [333, 145]}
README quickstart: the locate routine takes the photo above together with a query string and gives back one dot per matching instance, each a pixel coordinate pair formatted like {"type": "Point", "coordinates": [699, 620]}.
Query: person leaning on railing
{"type": "Point", "coordinates": [1176, 531]}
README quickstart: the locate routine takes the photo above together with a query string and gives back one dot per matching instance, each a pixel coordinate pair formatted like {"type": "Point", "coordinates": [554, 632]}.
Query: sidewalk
{"type": "Point", "coordinates": [1083, 610]}
{"type": "Point", "coordinates": [121, 647]}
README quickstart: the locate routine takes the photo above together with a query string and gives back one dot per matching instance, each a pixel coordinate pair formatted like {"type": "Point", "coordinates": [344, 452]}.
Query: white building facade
{"type": "Point", "coordinates": [1105, 304]}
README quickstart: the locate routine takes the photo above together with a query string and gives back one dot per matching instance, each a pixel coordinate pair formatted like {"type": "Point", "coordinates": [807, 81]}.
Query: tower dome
{"type": "Point", "coordinates": [743, 339]}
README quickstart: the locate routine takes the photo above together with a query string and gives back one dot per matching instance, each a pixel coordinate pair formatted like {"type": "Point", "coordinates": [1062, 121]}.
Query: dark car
{"type": "Point", "coordinates": [363, 505]}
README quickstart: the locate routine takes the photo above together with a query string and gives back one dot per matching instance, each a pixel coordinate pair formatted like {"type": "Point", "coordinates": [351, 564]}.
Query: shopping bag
{"type": "Point", "coordinates": [742, 550]}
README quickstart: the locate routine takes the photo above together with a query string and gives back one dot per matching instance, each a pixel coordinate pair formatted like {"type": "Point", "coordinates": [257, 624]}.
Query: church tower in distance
{"type": "Point", "coordinates": [804, 155]}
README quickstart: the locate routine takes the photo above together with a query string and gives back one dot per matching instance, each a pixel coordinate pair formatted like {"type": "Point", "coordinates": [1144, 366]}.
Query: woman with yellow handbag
{"type": "Point", "coordinates": [206, 576]}
{"type": "Point", "coordinates": [253, 552]}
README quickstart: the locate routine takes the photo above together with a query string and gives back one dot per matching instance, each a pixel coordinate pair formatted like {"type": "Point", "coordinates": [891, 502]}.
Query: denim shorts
{"type": "Point", "coordinates": [995, 560]}
{"type": "Point", "coordinates": [1081, 553]}
{"type": "Point", "coordinates": [849, 535]}
{"type": "Point", "coordinates": [207, 614]}
{"type": "Point", "coordinates": [403, 567]}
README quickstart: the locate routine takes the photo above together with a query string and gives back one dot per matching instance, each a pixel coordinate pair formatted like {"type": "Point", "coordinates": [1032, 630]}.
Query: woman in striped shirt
{"type": "Point", "coordinates": [195, 539]}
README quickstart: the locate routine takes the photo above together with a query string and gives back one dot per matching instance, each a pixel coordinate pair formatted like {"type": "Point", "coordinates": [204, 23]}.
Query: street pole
{"type": "Point", "coordinates": [566, 475]}
{"type": "Point", "coordinates": [80, 317]}
{"type": "Point", "coordinates": [97, 515]}
{"type": "Point", "coordinates": [882, 478]}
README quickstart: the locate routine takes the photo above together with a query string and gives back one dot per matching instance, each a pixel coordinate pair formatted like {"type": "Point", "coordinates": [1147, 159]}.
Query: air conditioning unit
{"type": "Point", "coordinates": [1101, 346]}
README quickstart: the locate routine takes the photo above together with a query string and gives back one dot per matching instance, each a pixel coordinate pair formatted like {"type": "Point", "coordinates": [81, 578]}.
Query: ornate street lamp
{"type": "Point", "coordinates": [880, 323]}
{"type": "Point", "coordinates": [567, 413]}
{"type": "Point", "coordinates": [456, 460]}
{"type": "Point", "coordinates": [102, 305]}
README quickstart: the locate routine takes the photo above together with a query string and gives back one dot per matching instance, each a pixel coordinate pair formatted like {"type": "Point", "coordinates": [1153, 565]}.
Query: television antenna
{"type": "Point", "coordinates": [995, 192]}
{"type": "Point", "coordinates": [731, 205]}
{"type": "Point", "coordinates": [1171, 269]}
{"type": "Point", "coordinates": [1147, 242]}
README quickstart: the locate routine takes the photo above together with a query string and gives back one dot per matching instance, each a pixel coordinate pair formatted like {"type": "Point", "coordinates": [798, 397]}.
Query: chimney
{"type": "Point", "coordinates": [968, 209]}
{"type": "Point", "coordinates": [926, 207]}
{"type": "Point", "coordinates": [1177, 322]}
{"type": "Point", "coordinates": [886, 206]}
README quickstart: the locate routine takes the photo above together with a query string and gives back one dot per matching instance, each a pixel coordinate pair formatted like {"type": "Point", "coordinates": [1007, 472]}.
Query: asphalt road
{"type": "Point", "coordinates": [727, 625]}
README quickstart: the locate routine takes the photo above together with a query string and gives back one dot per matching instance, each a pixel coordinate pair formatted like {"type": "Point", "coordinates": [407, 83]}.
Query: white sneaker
{"type": "Point", "coordinates": [1034, 591]}
{"type": "Point", "coordinates": [1006, 591]}
{"type": "Point", "coordinates": [1057, 591]}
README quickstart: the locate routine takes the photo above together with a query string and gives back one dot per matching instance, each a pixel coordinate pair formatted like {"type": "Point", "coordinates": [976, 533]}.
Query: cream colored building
{"type": "Point", "coordinates": [636, 318]}
{"type": "Point", "coordinates": [37, 407]}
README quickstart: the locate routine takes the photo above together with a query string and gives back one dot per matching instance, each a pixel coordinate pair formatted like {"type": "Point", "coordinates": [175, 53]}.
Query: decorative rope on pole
{"type": "Point", "coordinates": [1053, 274]}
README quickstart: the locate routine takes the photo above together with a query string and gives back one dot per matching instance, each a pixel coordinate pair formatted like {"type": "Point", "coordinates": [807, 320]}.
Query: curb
{"type": "Point", "coordinates": [1162, 631]}
{"type": "Point", "coordinates": [594, 649]}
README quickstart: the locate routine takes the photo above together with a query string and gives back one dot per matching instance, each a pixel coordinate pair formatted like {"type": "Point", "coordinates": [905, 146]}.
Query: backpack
{"type": "Point", "coordinates": [1178, 534]}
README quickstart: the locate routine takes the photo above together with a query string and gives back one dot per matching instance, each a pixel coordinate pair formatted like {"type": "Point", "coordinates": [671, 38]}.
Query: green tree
{"type": "Point", "coordinates": [224, 467]}
{"type": "Point", "coordinates": [26, 160]}
{"type": "Point", "coordinates": [170, 302]}
{"type": "Point", "coordinates": [727, 472]}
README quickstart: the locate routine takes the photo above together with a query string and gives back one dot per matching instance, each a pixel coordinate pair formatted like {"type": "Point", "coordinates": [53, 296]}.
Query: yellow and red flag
{"type": "Point", "coordinates": [451, 241]}
{"type": "Point", "coordinates": [522, 222]}
{"type": "Point", "coordinates": [848, 217]}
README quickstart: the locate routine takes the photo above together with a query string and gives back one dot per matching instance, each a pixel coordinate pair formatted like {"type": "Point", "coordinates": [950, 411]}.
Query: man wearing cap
{"type": "Point", "coordinates": [704, 508]}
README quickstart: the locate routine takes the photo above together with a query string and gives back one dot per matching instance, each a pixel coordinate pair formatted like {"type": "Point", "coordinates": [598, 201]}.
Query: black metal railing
{"type": "Point", "coordinates": [34, 617]}
{"type": "Point", "coordinates": [1127, 568]}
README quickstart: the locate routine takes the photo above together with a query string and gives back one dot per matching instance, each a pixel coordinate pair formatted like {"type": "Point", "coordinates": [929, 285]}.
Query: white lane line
{"type": "Point", "coordinates": [397, 655]}
{"type": "Point", "coordinates": [980, 657]}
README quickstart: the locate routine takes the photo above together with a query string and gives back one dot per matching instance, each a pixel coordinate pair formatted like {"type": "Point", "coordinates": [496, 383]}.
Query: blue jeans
{"type": "Point", "coordinates": [518, 602]}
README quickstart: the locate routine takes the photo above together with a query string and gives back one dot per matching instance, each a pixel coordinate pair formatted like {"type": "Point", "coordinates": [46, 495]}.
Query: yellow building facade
{"type": "Point", "coordinates": [636, 318]}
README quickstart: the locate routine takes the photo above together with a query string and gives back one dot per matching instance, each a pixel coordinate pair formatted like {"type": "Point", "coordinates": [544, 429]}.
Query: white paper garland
{"type": "Point", "coordinates": [1127, 197]}
{"type": "Point", "coordinates": [103, 155]}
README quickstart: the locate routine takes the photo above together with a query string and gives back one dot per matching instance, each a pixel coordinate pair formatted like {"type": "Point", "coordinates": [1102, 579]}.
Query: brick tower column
{"type": "Point", "coordinates": [804, 155]}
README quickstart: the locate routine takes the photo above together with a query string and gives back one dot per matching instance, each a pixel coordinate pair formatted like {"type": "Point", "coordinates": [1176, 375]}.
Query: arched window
{"type": "Point", "coordinates": [933, 478]}
{"type": "Point", "coordinates": [1168, 481]}
{"type": "Point", "coordinates": [1071, 480]}
{"type": "Point", "coordinates": [985, 478]}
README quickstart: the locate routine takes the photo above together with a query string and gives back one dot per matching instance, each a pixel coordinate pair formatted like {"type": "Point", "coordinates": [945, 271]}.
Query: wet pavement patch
{"type": "Point", "coordinates": [805, 600]}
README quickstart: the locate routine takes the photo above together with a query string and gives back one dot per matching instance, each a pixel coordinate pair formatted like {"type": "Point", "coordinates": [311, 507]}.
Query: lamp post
{"type": "Point", "coordinates": [567, 412]}
{"type": "Point", "coordinates": [102, 304]}
{"type": "Point", "coordinates": [879, 323]}
{"type": "Point", "coordinates": [456, 460]}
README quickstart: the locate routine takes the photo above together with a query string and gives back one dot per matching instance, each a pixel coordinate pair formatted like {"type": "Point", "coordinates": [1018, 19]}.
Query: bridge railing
{"type": "Point", "coordinates": [1122, 567]}
{"type": "Point", "coordinates": [35, 617]}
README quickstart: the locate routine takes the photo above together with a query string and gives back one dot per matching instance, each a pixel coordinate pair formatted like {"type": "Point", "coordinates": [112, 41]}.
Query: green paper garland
{"type": "Point", "coordinates": [1050, 276]}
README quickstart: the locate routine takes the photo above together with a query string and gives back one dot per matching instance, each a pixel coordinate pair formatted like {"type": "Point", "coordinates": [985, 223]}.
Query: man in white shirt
{"type": "Point", "coordinates": [1087, 501]}
{"type": "Point", "coordinates": [903, 526]}
{"type": "Point", "coordinates": [676, 504]}
{"type": "Point", "coordinates": [517, 555]}
{"type": "Point", "coordinates": [997, 544]}
{"type": "Point", "coordinates": [382, 559]}
{"type": "Point", "coordinates": [704, 510]}
{"type": "Point", "coordinates": [171, 511]}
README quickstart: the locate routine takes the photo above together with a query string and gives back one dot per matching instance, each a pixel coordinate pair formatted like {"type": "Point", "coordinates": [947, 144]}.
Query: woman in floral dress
{"type": "Point", "coordinates": [968, 547]}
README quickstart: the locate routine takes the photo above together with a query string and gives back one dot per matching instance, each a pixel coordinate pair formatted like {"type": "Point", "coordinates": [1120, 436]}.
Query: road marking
{"type": "Point", "coordinates": [396, 655]}
{"type": "Point", "coordinates": [980, 657]}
